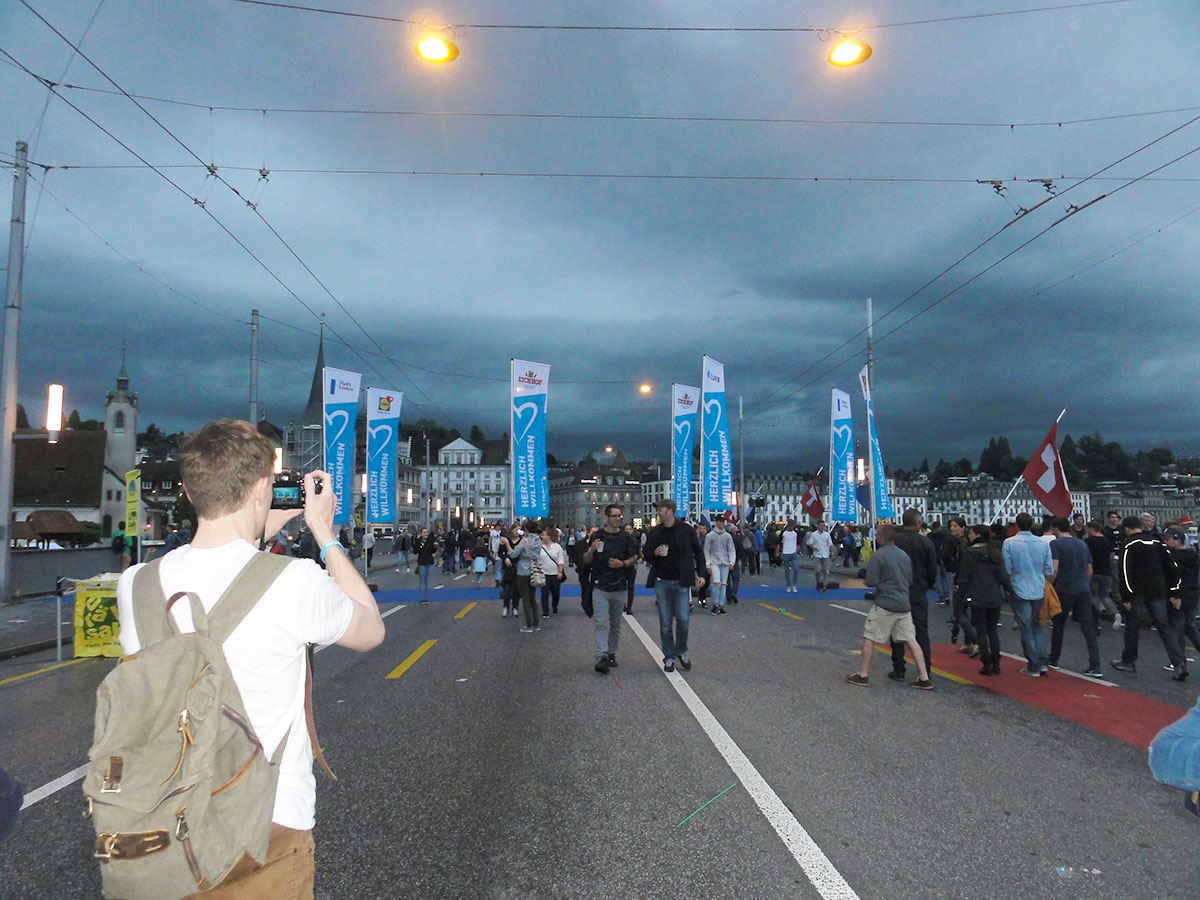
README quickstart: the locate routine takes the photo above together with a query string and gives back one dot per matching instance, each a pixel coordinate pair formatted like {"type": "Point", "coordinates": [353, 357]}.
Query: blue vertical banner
{"type": "Point", "coordinates": [684, 404]}
{"type": "Point", "coordinates": [883, 500]}
{"type": "Point", "coordinates": [716, 452]}
{"type": "Point", "coordinates": [531, 489]}
{"type": "Point", "coordinates": [340, 402]}
{"type": "Point", "coordinates": [383, 427]}
{"type": "Point", "coordinates": [841, 459]}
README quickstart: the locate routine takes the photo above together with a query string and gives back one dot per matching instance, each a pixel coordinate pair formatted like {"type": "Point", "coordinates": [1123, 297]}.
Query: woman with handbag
{"type": "Point", "coordinates": [553, 561]}
{"type": "Point", "coordinates": [981, 585]}
{"type": "Point", "coordinates": [524, 556]}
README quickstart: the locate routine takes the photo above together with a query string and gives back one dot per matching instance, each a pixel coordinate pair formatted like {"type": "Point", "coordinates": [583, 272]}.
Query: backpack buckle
{"type": "Point", "coordinates": [130, 846]}
{"type": "Point", "coordinates": [112, 777]}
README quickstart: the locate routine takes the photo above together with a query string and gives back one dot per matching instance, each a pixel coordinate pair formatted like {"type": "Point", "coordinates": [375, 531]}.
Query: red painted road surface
{"type": "Point", "coordinates": [1118, 713]}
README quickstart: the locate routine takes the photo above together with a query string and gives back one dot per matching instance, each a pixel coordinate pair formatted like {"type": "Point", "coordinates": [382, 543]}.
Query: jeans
{"type": "Point", "coordinates": [551, 591]}
{"type": "Point", "coordinates": [986, 621]}
{"type": "Point", "coordinates": [822, 571]}
{"type": "Point", "coordinates": [962, 619]}
{"type": "Point", "coordinates": [1189, 622]}
{"type": "Point", "coordinates": [735, 581]}
{"type": "Point", "coordinates": [720, 581]}
{"type": "Point", "coordinates": [1033, 641]}
{"type": "Point", "coordinates": [402, 560]}
{"type": "Point", "coordinates": [525, 592]}
{"type": "Point", "coordinates": [945, 586]}
{"type": "Point", "coordinates": [1167, 619]}
{"type": "Point", "coordinates": [423, 573]}
{"type": "Point", "coordinates": [1081, 604]}
{"type": "Point", "coordinates": [1102, 601]}
{"type": "Point", "coordinates": [672, 603]}
{"type": "Point", "coordinates": [606, 620]}
{"type": "Point", "coordinates": [448, 565]}
{"type": "Point", "coordinates": [920, 617]}
{"type": "Point", "coordinates": [791, 569]}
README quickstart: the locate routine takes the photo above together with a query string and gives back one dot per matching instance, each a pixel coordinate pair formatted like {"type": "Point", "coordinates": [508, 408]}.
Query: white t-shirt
{"type": "Point", "coordinates": [821, 543]}
{"type": "Point", "coordinates": [266, 652]}
{"type": "Point", "coordinates": [552, 557]}
{"type": "Point", "coordinates": [788, 544]}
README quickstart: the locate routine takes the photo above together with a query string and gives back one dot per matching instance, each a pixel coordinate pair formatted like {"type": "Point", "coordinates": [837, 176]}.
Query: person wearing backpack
{"type": "Point", "coordinates": [120, 546]}
{"type": "Point", "coordinates": [235, 817]}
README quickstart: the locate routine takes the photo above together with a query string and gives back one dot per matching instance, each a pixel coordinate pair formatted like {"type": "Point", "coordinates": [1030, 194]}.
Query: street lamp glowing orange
{"type": "Point", "coordinates": [645, 388]}
{"type": "Point", "coordinates": [434, 48]}
{"type": "Point", "coordinates": [849, 51]}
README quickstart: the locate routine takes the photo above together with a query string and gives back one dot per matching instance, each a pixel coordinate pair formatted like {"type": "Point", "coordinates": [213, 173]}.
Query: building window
{"type": "Point", "coordinates": [167, 485]}
{"type": "Point", "coordinates": [119, 422]}
{"type": "Point", "coordinates": [109, 495]}
{"type": "Point", "coordinates": [147, 485]}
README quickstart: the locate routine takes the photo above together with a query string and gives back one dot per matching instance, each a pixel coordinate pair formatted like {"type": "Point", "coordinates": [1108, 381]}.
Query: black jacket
{"type": "Point", "coordinates": [1147, 569]}
{"type": "Point", "coordinates": [924, 561]}
{"type": "Point", "coordinates": [686, 545]}
{"type": "Point", "coordinates": [982, 580]}
{"type": "Point", "coordinates": [1188, 562]}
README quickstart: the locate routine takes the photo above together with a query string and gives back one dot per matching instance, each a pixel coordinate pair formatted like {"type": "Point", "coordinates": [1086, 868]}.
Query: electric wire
{"type": "Point", "coordinates": [763, 403]}
{"type": "Point", "coordinates": [218, 177]}
{"type": "Point", "coordinates": [613, 117]}
{"type": "Point", "coordinates": [969, 281]}
{"type": "Point", "coordinates": [675, 28]}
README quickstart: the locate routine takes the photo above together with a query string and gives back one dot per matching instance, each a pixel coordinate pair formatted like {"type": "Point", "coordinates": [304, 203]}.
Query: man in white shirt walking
{"type": "Point", "coordinates": [822, 547]}
{"type": "Point", "coordinates": [721, 556]}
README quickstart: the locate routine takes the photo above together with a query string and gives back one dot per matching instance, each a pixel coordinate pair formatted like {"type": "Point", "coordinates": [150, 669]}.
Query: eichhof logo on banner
{"type": "Point", "coordinates": [684, 402]}
{"type": "Point", "coordinates": [340, 406]}
{"type": "Point", "coordinates": [531, 488]}
{"type": "Point", "coordinates": [383, 426]}
{"type": "Point", "coordinates": [716, 451]}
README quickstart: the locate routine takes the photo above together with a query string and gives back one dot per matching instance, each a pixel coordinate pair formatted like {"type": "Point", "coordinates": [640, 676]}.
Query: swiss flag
{"type": "Point", "coordinates": [1044, 475]}
{"type": "Point", "coordinates": [811, 502]}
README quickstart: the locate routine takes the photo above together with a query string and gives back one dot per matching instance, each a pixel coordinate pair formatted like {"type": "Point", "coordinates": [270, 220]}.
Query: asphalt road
{"type": "Point", "coordinates": [500, 765]}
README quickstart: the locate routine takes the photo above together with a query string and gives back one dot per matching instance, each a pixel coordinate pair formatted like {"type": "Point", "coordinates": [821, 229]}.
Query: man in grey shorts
{"type": "Point", "coordinates": [611, 554]}
{"type": "Point", "coordinates": [889, 571]}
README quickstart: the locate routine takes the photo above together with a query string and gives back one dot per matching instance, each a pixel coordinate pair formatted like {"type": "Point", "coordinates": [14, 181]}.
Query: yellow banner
{"type": "Point", "coordinates": [96, 624]}
{"type": "Point", "coordinates": [133, 494]}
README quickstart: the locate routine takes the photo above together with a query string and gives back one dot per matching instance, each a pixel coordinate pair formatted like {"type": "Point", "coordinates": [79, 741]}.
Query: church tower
{"type": "Point", "coordinates": [120, 425]}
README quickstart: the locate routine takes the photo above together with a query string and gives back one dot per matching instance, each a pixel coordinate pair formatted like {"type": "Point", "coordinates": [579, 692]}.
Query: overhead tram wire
{"type": "Point", "coordinates": [973, 278]}
{"type": "Point", "coordinates": [675, 28]}
{"type": "Point", "coordinates": [615, 117]}
{"type": "Point", "coordinates": [203, 208]}
{"type": "Point", "coordinates": [764, 403]}
{"type": "Point", "coordinates": [236, 192]}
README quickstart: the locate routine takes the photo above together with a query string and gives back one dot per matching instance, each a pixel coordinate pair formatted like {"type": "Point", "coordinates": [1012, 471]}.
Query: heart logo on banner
{"type": "Point", "coordinates": [684, 430]}
{"type": "Point", "coordinates": [373, 433]}
{"type": "Point", "coordinates": [331, 419]}
{"type": "Point", "coordinates": [518, 412]}
{"type": "Point", "coordinates": [709, 406]}
{"type": "Point", "coordinates": [843, 431]}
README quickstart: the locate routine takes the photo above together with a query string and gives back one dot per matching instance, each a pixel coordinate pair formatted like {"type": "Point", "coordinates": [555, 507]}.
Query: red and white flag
{"type": "Point", "coordinates": [811, 502]}
{"type": "Point", "coordinates": [1044, 475]}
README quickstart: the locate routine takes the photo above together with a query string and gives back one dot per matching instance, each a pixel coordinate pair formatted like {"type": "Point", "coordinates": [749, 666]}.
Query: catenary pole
{"type": "Point", "coordinates": [871, 385]}
{"type": "Point", "coordinates": [8, 360]}
{"type": "Point", "coordinates": [741, 464]}
{"type": "Point", "coordinates": [254, 367]}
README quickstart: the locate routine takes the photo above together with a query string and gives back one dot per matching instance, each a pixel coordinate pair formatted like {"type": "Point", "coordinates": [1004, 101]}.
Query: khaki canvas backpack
{"type": "Point", "coordinates": [178, 785]}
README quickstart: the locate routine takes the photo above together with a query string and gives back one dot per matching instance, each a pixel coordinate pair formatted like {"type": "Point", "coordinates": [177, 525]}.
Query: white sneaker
{"type": "Point", "coordinates": [1118, 623]}
{"type": "Point", "coordinates": [504, 613]}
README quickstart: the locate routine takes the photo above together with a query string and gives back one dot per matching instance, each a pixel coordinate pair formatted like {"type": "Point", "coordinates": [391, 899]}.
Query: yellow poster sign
{"type": "Point", "coordinates": [96, 625]}
{"type": "Point", "coordinates": [133, 525]}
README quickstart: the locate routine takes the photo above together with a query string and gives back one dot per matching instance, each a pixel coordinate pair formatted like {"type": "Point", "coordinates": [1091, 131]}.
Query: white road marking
{"type": "Point", "coordinates": [53, 787]}
{"type": "Point", "coordinates": [857, 612]}
{"type": "Point", "coordinates": [463, 575]}
{"type": "Point", "coordinates": [438, 587]}
{"type": "Point", "coordinates": [816, 865]}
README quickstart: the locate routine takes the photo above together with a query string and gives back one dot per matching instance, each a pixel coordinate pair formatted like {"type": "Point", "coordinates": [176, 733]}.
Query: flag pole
{"type": "Point", "coordinates": [1009, 497]}
{"type": "Point", "coordinates": [870, 415]}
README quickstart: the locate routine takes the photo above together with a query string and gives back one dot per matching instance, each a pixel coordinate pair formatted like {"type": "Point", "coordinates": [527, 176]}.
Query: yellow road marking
{"type": "Point", "coordinates": [781, 611]}
{"type": "Point", "coordinates": [413, 657]}
{"type": "Point", "coordinates": [466, 609]}
{"type": "Point", "coordinates": [70, 662]}
{"type": "Point", "coordinates": [934, 670]}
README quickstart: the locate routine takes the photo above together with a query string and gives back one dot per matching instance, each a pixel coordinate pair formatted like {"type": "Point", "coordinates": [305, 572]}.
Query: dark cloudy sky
{"type": "Point", "coordinates": [765, 264]}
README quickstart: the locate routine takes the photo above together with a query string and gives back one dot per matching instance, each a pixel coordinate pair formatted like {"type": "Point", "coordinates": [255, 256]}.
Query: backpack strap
{"type": "Point", "coordinates": [243, 593]}
{"type": "Point", "coordinates": [150, 609]}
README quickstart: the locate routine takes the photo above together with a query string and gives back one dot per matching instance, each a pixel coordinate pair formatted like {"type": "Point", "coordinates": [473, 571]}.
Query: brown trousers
{"type": "Point", "coordinates": [286, 875]}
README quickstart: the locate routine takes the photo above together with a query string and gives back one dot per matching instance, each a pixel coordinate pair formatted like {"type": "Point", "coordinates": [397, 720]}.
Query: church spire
{"type": "Point", "coordinates": [313, 411]}
{"type": "Point", "coordinates": [123, 374]}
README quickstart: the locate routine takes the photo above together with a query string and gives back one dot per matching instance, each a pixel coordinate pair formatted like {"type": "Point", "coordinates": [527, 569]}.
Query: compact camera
{"type": "Point", "coordinates": [288, 491]}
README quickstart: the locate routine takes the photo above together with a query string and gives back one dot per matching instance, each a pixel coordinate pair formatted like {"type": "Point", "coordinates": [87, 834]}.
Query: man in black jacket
{"type": "Point", "coordinates": [1185, 602]}
{"type": "Point", "coordinates": [1148, 574]}
{"type": "Point", "coordinates": [671, 551]}
{"type": "Point", "coordinates": [924, 576]}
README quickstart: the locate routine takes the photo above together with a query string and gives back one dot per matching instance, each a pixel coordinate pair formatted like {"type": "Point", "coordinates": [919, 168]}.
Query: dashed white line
{"type": "Point", "coordinates": [53, 787]}
{"type": "Point", "coordinates": [827, 880]}
{"type": "Point", "coordinates": [857, 612]}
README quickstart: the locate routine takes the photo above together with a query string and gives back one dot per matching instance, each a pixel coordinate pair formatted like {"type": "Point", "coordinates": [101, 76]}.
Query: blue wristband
{"type": "Point", "coordinates": [327, 546]}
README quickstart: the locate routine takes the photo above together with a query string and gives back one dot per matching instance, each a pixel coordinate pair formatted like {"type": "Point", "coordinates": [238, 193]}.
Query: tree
{"type": "Point", "coordinates": [476, 437]}
{"type": "Point", "coordinates": [22, 418]}
{"type": "Point", "coordinates": [74, 423]}
{"type": "Point", "coordinates": [183, 509]}
{"type": "Point", "coordinates": [924, 466]}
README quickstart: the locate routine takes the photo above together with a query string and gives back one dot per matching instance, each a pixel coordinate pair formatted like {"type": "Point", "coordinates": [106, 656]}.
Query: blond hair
{"type": "Point", "coordinates": [220, 463]}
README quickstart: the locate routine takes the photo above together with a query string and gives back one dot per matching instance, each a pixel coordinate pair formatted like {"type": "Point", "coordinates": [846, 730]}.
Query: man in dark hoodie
{"type": "Point", "coordinates": [1148, 574]}
{"type": "Point", "coordinates": [924, 577]}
